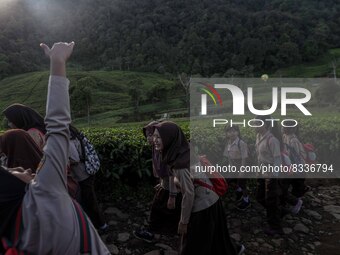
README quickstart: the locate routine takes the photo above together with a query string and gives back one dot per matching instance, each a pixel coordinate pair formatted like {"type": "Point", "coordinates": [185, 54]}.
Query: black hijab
{"type": "Point", "coordinates": [176, 150]}
{"type": "Point", "coordinates": [12, 191]}
{"type": "Point", "coordinates": [24, 117]}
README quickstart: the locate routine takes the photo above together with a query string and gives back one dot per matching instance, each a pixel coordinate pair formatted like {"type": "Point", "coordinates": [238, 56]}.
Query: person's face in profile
{"type": "Point", "coordinates": [9, 124]}
{"type": "Point", "coordinates": [149, 137]}
{"type": "Point", "coordinates": [260, 127]}
{"type": "Point", "coordinates": [157, 140]}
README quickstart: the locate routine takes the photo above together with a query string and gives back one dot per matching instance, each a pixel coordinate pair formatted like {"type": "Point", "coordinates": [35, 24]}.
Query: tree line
{"type": "Point", "coordinates": [207, 37]}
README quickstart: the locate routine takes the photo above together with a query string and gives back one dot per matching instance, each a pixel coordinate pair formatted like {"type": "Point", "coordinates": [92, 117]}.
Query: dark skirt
{"type": "Point", "coordinates": [268, 194]}
{"type": "Point", "coordinates": [208, 233]}
{"type": "Point", "coordinates": [90, 203]}
{"type": "Point", "coordinates": [162, 219]}
{"type": "Point", "coordinates": [286, 197]}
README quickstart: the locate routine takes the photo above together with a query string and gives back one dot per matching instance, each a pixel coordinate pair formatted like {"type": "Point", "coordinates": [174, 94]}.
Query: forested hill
{"type": "Point", "coordinates": [192, 36]}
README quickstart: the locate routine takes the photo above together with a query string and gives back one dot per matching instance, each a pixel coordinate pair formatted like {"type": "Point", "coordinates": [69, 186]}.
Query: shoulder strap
{"type": "Point", "coordinates": [239, 146]}
{"type": "Point", "coordinates": [270, 136]}
{"type": "Point", "coordinates": [80, 136]}
{"type": "Point", "coordinates": [85, 235]}
{"type": "Point", "coordinates": [267, 141]}
{"type": "Point", "coordinates": [204, 184]}
{"type": "Point", "coordinates": [16, 233]}
{"type": "Point", "coordinates": [85, 241]}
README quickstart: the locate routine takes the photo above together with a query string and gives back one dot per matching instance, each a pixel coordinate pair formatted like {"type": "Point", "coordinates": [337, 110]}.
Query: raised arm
{"type": "Point", "coordinates": [58, 54]}
{"type": "Point", "coordinates": [52, 172]}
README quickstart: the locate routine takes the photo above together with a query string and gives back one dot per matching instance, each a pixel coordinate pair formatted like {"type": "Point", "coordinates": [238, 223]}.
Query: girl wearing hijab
{"type": "Point", "coordinates": [290, 137]}
{"type": "Point", "coordinates": [202, 225]}
{"type": "Point", "coordinates": [166, 203]}
{"type": "Point", "coordinates": [236, 151]}
{"type": "Point", "coordinates": [20, 150]}
{"type": "Point", "coordinates": [86, 181]}
{"type": "Point", "coordinates": [52, 223]}
{"type": "Point", "coordinates": [23, 117]}
{"type": "Point", "coordinates": [268, 149]}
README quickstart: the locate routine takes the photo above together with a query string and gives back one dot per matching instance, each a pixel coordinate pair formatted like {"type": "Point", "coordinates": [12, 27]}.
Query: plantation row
{"type": "Point", "coordinates": [125, 155]}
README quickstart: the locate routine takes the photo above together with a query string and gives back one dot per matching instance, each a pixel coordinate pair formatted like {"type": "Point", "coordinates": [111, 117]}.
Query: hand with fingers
{"type": "Point", "coordinates": [182, 228]}
{"type": "Point", "coordinates": [58, 54]}
{"type": "Point", "coordinates": [171, 203]}
{"type": "Point", "coordinates": [25, 175]}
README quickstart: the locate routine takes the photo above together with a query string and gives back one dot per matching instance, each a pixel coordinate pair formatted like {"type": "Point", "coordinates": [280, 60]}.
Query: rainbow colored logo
{"type": "Point", "coordinates": [211, 91]}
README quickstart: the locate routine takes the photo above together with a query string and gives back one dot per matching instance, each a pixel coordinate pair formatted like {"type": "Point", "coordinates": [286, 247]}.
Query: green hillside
{"type": "Point", "coordinates": [112, 104]}
{"type": "Point", "coordinates": [111, 100]}
{"type": "Point", "coordinates": [322, 67]}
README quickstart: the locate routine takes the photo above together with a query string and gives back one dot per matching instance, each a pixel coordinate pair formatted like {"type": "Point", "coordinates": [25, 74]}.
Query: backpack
{"type": "Point", "coordinates": [285, 158]}
{"type": "Point", "coordinates": [89, 157]}
{"type": "Point", "coordinates": [294, 157]}
{"type": "Point", "coordinates": [85, 235]}
{"type": "Point", "coordinates": [219, 184]}
{"type": "Point", "coordinates": [310, 153]}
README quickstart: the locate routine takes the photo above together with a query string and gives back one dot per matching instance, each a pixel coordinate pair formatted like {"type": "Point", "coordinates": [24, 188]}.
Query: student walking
{"type": "Point", "coordinates": [291, 140]}
{"type": "Point", "coordinates": [49, 220]}
{"type": "Point", "coordinates": [268, 151]}
{"type": "Point", "coordinates": [166, 204]}
{"type": "Point", "coordinates": [88, 198]}
{"type": "Point", "coordinates": [202, 224]}
{"type": "Point", "coordinates": [20, 116]}
{"type": "Point", "coordinates": [236, 151]}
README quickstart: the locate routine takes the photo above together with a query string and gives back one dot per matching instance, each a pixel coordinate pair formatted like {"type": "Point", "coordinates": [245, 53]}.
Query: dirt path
{"type": "Point", "coordinates": [315, 230]}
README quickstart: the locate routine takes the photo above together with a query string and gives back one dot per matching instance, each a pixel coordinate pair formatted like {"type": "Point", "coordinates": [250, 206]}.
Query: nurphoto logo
{"type": "Point", "coordinates": [295, 96]}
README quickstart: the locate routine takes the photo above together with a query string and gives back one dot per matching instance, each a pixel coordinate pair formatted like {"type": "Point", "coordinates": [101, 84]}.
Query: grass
{"type": "Point", "coordinates": [112, 103]}
{"type": "Point", "coordinates": [321, 67]}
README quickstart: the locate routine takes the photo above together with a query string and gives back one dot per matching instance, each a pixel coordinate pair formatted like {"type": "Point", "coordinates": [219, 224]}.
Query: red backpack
{"type": "Point", "coordinates": [219, 184]}
{"type": "Point", "coordinates": [85, 235]}
{"type": "Point", "coordinates": [310, 153]}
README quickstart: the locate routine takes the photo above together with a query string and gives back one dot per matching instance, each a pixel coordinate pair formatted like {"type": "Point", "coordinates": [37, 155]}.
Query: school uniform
{"type": "Point", "coordinates": [86, 182]}
{"type": "Point", "coordinates": [268, 191]}
{"type": "Point", "coordinates": [235, 152]}
{"type": "Point", "coordinates": [162, 219]}
{"type": "Point", "coordinates": [50, 222]}
{"type": "Point", "coordinates": [293, 141]}
{"type": "Point", "coordinates": [298, 184]}
{"type": "Point", "coordinates": [203, 211]}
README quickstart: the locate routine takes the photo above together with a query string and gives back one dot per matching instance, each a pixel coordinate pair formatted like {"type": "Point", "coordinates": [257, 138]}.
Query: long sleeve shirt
{"type": "Point", "coordinates": [195, 198]}
{"type": "Point", "coordinates": [268, 149]}
{"type": "Point", "coordinates": [50, 224]}
{"type": "Point", "coordinates": [294, 142]}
